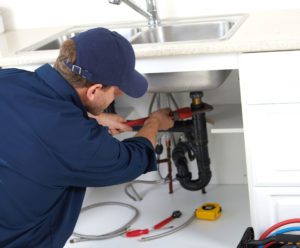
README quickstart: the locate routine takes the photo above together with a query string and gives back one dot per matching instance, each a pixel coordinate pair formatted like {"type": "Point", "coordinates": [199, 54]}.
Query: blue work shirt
{"type": "Point", "coordinates": [50, 151]}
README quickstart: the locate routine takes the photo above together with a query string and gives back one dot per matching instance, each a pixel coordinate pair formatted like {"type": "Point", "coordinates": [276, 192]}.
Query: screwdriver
{"type": "Point", "coordinates": [139, 232]}
{"type": "Point", "coordinates": [158, 226]}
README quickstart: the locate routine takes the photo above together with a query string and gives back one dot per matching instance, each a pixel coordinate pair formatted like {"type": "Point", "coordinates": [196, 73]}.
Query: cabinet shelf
{"type": "Point", "coordinates": [226, 118]}
{"type": "Point", "coordinates": [157, 205]}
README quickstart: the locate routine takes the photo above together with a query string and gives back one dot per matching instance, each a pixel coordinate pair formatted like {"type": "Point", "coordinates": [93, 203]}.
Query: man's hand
{"type": "Point", "coordinates": [158, 120]}
{"type": "Point", "coordinates": [114, 122]}
{"type": "Point", "coordinates": [163, 119]}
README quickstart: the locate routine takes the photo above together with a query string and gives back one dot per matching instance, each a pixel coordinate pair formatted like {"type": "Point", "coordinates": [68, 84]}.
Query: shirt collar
{"type": "Point", "coordinates": [59, 84]}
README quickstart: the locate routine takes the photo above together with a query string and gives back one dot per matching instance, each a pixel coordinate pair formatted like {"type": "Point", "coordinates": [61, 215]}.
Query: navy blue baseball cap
{"type": "Point", "coordinates": [106, 57]}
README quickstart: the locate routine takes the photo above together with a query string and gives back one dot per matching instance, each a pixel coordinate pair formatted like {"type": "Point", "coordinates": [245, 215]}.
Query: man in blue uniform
{"type": "Point", "coordinates": [51, 150]}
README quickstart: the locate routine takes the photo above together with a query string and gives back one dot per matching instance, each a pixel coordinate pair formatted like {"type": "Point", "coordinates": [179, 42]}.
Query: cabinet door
{"type": "Point", "coordinates": [272, 134]}
{"type": "Point", "coordinates": [271, 205]}
{"type": "Point", "coordinates": [272, 77]}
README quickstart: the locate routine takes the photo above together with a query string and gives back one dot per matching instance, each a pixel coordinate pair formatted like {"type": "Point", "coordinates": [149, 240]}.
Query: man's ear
{"type": "Point", "coordinates": [92, 91]}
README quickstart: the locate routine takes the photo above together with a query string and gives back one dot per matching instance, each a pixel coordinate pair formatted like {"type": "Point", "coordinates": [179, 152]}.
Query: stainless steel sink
{"type": "Point", "coordinates": [204, 29]}
{"type": "Point", "coordinates": [55, 42]}
{"type": "Point", "coordinates": [187, 32]}
{"type": "Point", "coordinates": [52, 45]}
{"type": "Point", "coordinates": [198, 30]}
{"type": "Point", "coordinates": [186, 81]}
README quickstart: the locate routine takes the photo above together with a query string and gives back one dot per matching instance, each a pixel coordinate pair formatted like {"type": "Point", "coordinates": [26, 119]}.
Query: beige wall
{"type": "Point", "coordinates": [20, 14]}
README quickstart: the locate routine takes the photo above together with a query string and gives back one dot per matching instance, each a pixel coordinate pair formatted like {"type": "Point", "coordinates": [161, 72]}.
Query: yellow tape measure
{"type": "Point", "coordinates": [208, 211]}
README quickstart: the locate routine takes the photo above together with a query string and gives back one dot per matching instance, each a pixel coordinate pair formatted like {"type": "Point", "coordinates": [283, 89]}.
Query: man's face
{"type": "Point", "coordinates": [102, 98]}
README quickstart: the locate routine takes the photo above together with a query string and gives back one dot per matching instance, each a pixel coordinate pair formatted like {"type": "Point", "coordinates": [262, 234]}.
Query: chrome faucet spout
{"type": "Point", "coordinates": [150, 14]}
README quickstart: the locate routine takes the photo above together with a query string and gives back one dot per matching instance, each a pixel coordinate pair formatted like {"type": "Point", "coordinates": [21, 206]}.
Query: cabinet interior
{"type": "Point", "coordinates": [228, 185]}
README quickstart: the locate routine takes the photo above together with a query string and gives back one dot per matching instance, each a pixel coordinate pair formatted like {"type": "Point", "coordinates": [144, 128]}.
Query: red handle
{"type": "Point", "coordinates": [136, 233]}
{"type": "Point", "coordinates": [163, 223]}
{"type": "Point", "coordinates": [179, 114]}
{"type": "Point", "coordinates": [137, 122]}
{"type": "Point", "coordinates": [183, 113]}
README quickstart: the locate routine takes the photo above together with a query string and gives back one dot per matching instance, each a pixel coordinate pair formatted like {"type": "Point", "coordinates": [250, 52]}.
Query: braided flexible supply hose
{"type": "Point", "coordinates": [117, 232]}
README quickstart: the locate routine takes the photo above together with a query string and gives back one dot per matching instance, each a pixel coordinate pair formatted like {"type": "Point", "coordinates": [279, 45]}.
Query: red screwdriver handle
{"type": "Point", "coordinates": [136, 233]}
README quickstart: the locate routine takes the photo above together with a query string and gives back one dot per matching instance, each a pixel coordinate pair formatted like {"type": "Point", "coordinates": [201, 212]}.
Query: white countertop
{"type": "Point", "coordinates": [261, 31]}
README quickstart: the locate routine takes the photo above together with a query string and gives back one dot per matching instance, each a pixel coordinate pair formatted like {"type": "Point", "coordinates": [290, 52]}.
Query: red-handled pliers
{"type": "Point", "coordinates": [179, 114]}
{"type": "Point", "coordinates": [175, 214]}
{"type": "Point", "coordinates": [160, 225]}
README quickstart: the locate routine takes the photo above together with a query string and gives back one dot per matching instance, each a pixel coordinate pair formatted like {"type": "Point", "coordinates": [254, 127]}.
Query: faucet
{"type": "Point", "coordinates": [150, 14]}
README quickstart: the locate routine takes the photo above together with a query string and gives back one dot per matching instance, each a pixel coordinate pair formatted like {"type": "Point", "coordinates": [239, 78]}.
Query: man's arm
{"type": "Point", "coordinates": [114, 122]}
{"type": "Point", "coordinates": [158, 120]}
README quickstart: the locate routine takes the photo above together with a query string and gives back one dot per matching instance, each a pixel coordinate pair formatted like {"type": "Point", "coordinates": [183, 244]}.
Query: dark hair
{"type": "Point", "coordinates": [68, 52]}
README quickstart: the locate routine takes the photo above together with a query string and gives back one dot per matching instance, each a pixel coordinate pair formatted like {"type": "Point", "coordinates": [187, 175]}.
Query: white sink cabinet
{"type": "Point", "coordinates": [269, 96]}
{"type": "Point", "coordinates": [270, 86]}
{"type": "Point", "coordinates": [270, 99]}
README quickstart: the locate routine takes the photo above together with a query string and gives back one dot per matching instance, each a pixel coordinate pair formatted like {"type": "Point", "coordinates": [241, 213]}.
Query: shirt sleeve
{"type": "Point", "coordinates": [86, 155]}
{"type": "Point", "coordinates": [66, 148]}
{"type": "Point", "coordinates": [114, 162]}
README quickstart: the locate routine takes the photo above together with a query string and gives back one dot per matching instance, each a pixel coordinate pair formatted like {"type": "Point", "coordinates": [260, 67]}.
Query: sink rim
{"type": "Point", "coordinates": [238, 20]}
{"type": "Point", "coordinates": [68, 33]}
{"type": "Point", "coordinates": [203, 19]}
{"type": "Point", "coordinates": [145, 36]}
